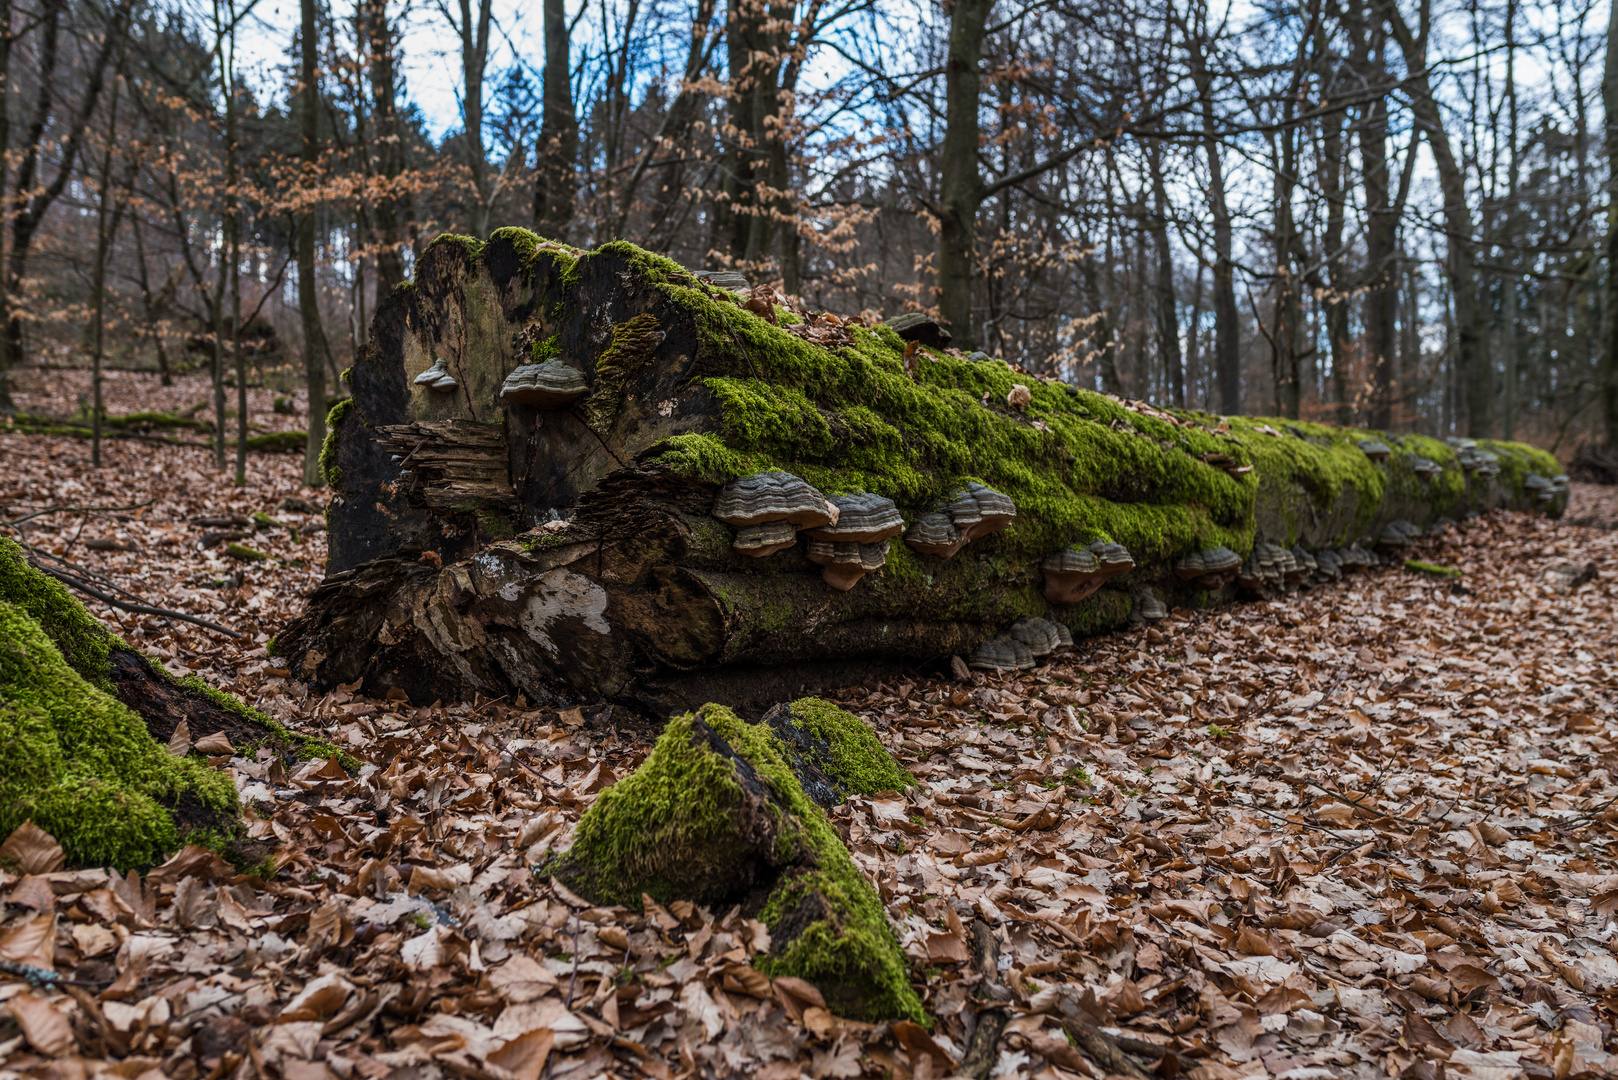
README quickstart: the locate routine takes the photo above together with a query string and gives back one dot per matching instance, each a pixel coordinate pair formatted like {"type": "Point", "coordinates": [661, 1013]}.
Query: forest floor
{"type": "Point", "coordinates": [1361, 830]}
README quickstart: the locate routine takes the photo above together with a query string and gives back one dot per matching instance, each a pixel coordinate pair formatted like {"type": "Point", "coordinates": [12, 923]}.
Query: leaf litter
{"type": "Point", "coordinates": [1363, 830]}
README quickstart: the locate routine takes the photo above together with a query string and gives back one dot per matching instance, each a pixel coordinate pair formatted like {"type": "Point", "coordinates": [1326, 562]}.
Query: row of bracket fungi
{"type": "Point", "coordinates": [849, 534]}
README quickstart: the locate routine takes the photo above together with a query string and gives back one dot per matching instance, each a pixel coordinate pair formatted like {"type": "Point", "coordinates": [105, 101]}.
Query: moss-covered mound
{"type": "Point", "coordinates": [84, 725]}
{"type": "Point", "coordinates": [715, 815]}
{"type": "Point", "coordinates": [73, 758]}
{"type": "Point", "coordinates": [833, 752]}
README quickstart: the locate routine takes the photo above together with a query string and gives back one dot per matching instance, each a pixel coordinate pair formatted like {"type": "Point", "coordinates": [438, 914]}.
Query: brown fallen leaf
{"type": "Point", "coordinates": [44, 1025]}
{"type": "Point", "coordinates": [32, 850]}
{"type": "Point", "coordinates": [214, 745]}
{"type": "Point", "coordinates": [524, 1057]}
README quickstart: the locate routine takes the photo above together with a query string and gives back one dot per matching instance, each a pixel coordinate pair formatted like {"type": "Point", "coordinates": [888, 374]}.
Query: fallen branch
{"type": "Point", "coordinates": [140, 609]}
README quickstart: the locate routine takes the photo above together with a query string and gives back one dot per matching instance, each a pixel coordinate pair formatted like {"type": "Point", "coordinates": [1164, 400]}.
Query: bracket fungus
{"type": "Point", "coordinates": [977, 510]}
{"type": "Point", "coordinates": [437, 377]}
{"type": "Point", "coordinates": [773, 496]}
{"type": "Point", "coordinates": [1071, 575]}
{"type": "Point", "coordinates": [1040, 635]}
{"type": "Point", "coordinates": [1376, 450]}
{"type": "Point", "coordinates": [933, 534]}
{"type": "Point", "coordinates": [1210, 568]}
{"type": "Point", "coordinates": [1002, 653]}
{"type": "Point", "coordinates": [549, 386]}
{"type": "Point", "coordinates": [844, 563]}
{"type": "Point", "coordinates": [1147, 607]}
{"type": "Point", "coordinates": [765, 539]}
{"type": "Point", "coordinates": [863, 518]}
{"type": "Point", "coordinates": [1425, 468]}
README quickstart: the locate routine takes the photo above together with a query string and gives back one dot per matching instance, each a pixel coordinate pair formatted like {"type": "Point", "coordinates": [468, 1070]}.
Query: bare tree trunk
{"type": "Point", "coordinates": [1227, 327]}
{"type": "Point", "coordinates": [960, 185]}
{"type": "Point", "coordinates": [384, 117]}
{"type": "Point", "coordinates": [1609, 98]}
{"type": "Point", "coordinates": [150, 303]}
{"type": "Point", "coordinates": [1471, 349]}
{"type": "Point", "coordinates": [314, 334]}
{"type": "Point", "coordinates": [1168, 326]}
{"type": "Point", "coordinates": [1380, 271]}
{"type": "Point", "coordinates": [32, 197]}
{"type": "Point", "coordinates": [233, 246]}
{"type": "Point", "coordinates": [98, 287]}
{"type": "Point", "coordinates": [473, 30]}
{"type": "Point", "coordinates": [555, 187]}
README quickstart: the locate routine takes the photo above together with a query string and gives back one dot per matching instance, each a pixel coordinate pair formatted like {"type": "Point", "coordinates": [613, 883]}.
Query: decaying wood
{"type": "Point", "coordinates": [453, 464]}
{"type": "Point", "coordinates": [481, 546]}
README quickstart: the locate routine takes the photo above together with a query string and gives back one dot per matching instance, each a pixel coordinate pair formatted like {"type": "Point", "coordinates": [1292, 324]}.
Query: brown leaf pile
{"type": "Point", "coordinates": [1364, 830]}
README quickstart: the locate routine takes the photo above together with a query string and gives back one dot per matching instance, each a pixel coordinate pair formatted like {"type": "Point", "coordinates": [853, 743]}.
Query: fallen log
{"type": "Point", "coordinates": [574, 476]}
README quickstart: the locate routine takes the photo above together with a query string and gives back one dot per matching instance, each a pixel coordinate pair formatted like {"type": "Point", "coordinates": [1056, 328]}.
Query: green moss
{"type": "Point", "coordinates": [302, 746]}
{"type": "Point", "coordinates": [547, 349]}
{"type": "Point", "coordinates": [632, 343]}
{"type": "Point", "coordinates": [328, 450]}
{"type": "Point", "coordinates": [469, 244]}
{"type": "Point", "coordinates": [244, 553]}
{"type": "Point", "coordinates": [81, 765]}
{"type": "Point", "coordinates": [151, 420]}
{"type": "Point", "coordinates": [84, 643]}
{"type": "Point", "coordinates": [494, 525]}
{"type": "Point", "coordinates": [1434, 569]}
{"type": "Point", "coordinates": [525, 241]}
{"type": "Point", "coordinates": [669, 830]}
{"type": "Point", "coordinates": [279, 441]}
{"type": "Point", "coordinates": [846, 750]}
{"type": "Point", "coordinates": [269, 647]}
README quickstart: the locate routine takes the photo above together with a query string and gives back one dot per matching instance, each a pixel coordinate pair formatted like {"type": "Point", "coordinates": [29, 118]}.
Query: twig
{"type": "Point", "coordinates": [78, 510]}
{"type": "Point", "coordinates": [139, 609]}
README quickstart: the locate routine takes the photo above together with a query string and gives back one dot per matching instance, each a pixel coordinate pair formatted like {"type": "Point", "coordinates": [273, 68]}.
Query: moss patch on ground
{"type": "Point", "coordinates": [73, 759]}
{"type": "Point", "coordinates": [716, 815]}
{"type": "Point", "coordinates": [1419, 567]}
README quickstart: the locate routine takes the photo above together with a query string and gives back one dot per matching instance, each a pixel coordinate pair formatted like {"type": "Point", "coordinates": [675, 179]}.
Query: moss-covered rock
{"type": "Point", "coordinates": [715, 815]}
{"type": "Point", "coordinates": [833, 752]}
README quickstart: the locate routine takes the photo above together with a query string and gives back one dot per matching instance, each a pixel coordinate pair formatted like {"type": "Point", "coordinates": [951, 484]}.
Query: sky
{"type": "Point", "coordinates": [431, 52]}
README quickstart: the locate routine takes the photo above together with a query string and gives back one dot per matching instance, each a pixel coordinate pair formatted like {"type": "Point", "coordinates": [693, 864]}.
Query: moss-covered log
{"type": "Point", "coordinates": [85, 729]}
{"type": "Point", "coordinates": [550, 531]}
{"type": "Point", "coordinates": [716, 815]}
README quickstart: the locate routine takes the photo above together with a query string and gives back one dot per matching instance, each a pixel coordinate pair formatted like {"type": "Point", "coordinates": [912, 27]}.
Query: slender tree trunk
{"type": "Point", "coordinates": [1227, 326]}
{"type": "Point", "coordinates": [314, 334]}
{"type": "Point", "coordinates": [233, 247]}
{"type": "Point", "coordinates": [555, 186]}
{"type": "Point", "coordinates": [1168, 324]}
{"type": "Point", "coordinates": [1509, 341]}
{"type": "Point", "coordinates": [960, 184]}
{"type": "Point", "coordinates": [1609, 98]}
{"type": "Point", "coordinates": [384, 119]}
{"type": "Point", "coordinates": [1380, 266]}
{"type": "Point", "coordinates": [1193, 343]}
{"type": "Point", "coordinates": [1289, 309]}
{"type": "Point", "coordinates": [98, 287]}
{"type": "Point", "coordinates": [474, 32]}
{"type": "Point", "coordinates": [148, 301]}
{"type": "Point", "coordinates": [1471, 347]}
{"type": "Point", "coordinates": [7, 357]}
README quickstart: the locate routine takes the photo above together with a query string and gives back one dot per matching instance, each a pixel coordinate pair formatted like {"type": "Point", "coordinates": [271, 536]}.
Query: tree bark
{"type": "Point", "coordinates": [960, 184]}
{"type": "Point", "coordinates": [1471, 347]}
{"type": "Point", "coordinates": [314, 334]}
{"type": "Point", "coordinates": [1227, 319]}
{"type": "Point", "coordinates": [481, 546]}
{"type": "Point", "coordinates": [1609, 98]}
{"type": "Point", "coordinates": [1380, 278]}
{"type": "Point", "coordinates": [379, 36]}
{"type": "Point", "coordinates": [554, 185]}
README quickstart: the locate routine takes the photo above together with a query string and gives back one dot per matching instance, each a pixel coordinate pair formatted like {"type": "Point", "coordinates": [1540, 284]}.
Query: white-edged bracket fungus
{"type": "Point", "coordinates": [1147, 607]}
{"type": "Point", "coordinates": [549, 386]}
{"type": "Point", "coordinates": [770, 497]}
{"type": "Point", "coordinates": [1210, 568]}
{"type": "Point", "coordinates": [1040, 635]}
{"type": "Point", "coordinates": [1425, 468]}
{"type": "Point", "coordinates": [934, 534]}
{"type": "Point", "coordinates": [1002, 654]}
{"type": "Point", "coordinates": [437, 377]}
{"type": "Point", "coordinates": [861, 519]}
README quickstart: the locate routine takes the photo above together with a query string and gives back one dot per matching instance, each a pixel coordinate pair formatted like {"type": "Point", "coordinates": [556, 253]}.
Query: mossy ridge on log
{"type": "Point", "coordinates": [84, 726]}
{"type": "Point", "coordinates": [716, 816]}
{"type": "Point", "coordinates": [642, 588]}
{"type": "Point", "coordinates": [833, 753]}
